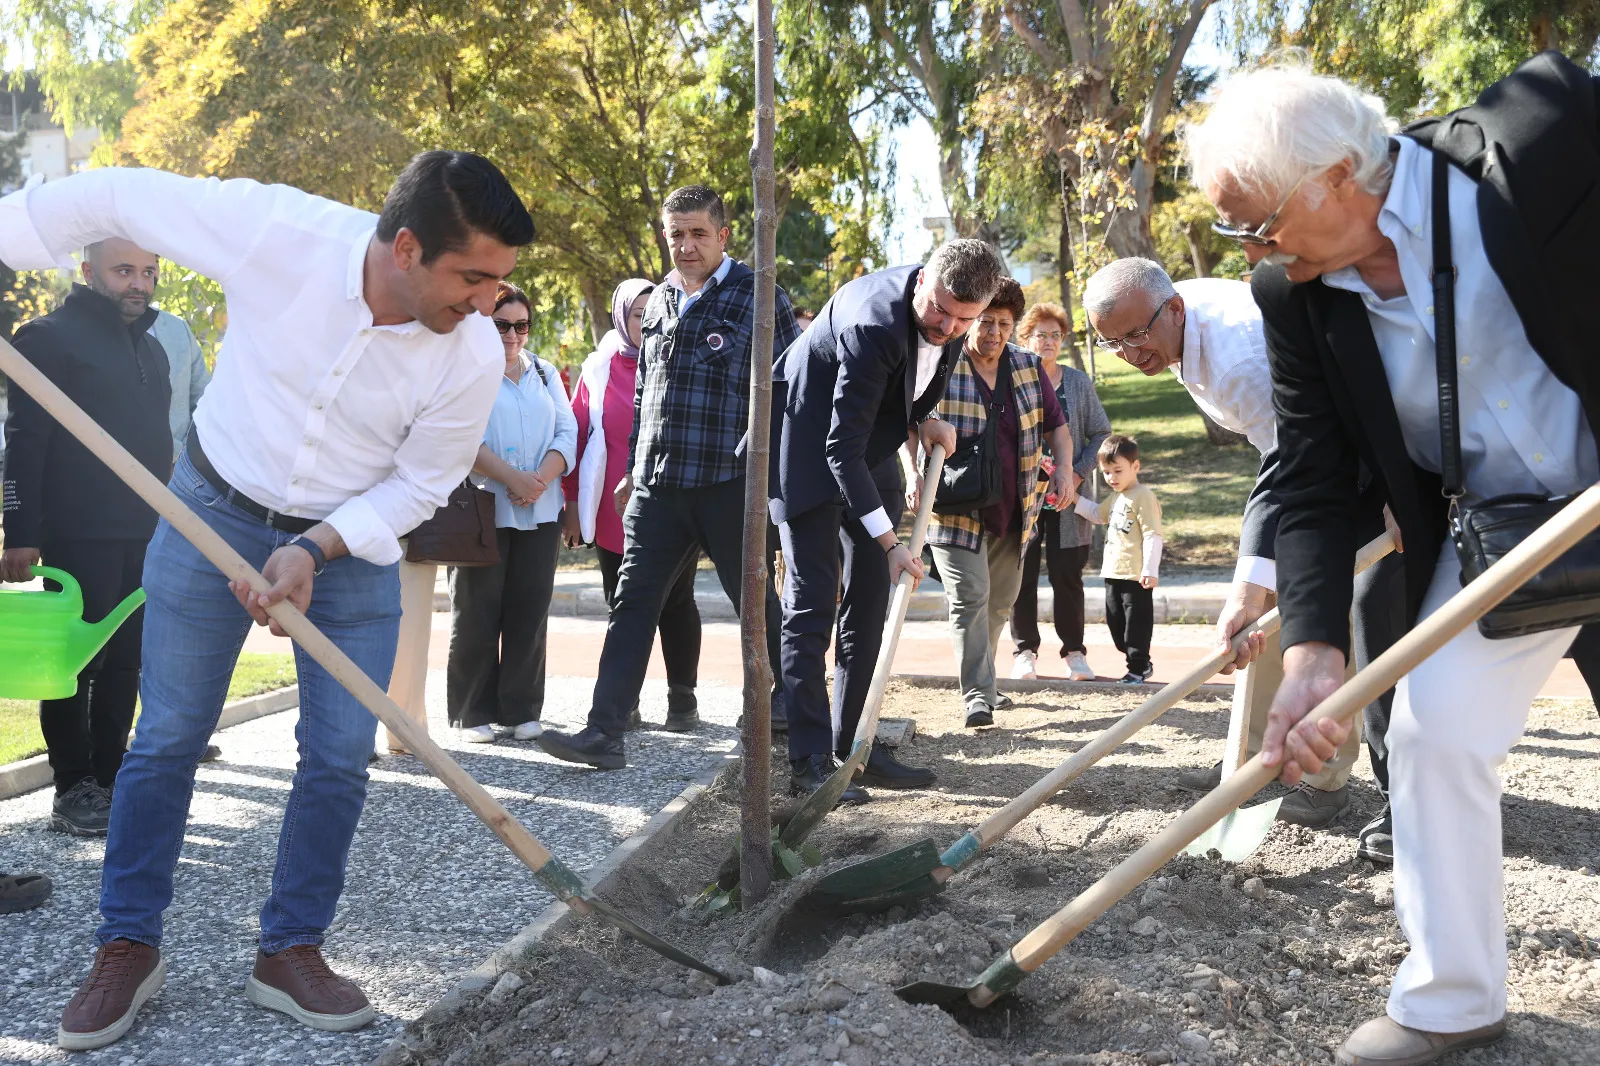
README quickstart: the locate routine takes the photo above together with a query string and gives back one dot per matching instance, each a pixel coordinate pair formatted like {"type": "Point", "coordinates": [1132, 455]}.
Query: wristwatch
{"type": "Point", "coordinates": [319, 561]}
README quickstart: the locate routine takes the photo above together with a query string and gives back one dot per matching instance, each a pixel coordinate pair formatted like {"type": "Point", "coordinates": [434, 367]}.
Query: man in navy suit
{"type": "Point", "coordinates": [857, 386]}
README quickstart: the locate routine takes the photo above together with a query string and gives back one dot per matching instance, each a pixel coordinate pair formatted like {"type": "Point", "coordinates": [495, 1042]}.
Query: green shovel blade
{"type": "Point", "coordinates": [877, 875]}
{"type": "Point", "coordinates": [1239, 833]}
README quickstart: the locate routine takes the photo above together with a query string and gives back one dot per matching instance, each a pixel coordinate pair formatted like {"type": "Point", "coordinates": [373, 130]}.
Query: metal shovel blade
{"type": "Point", "coordinates": [1239, 833]}
{"type": "Point", "coordinates": [817, 805]}
{"type": "Point", "coordinates": [933, 992]}
{"type": "Point", "coordinates": [664, 947]}
{"type": "Point", "coordinates": [875, 876]}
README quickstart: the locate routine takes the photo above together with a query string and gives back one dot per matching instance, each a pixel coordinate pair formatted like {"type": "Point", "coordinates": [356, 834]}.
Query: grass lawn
{"type": "Point", "coordinates": [256, 673]}
{"type": "Point", "coordinates": [1202, 487]}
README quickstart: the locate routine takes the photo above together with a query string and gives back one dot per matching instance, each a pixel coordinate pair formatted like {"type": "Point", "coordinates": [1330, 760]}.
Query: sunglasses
{"type": "Point", "coordinates": [1135, 339]}
{"type": "Point", "coordinates": [506, 327]}
{"type": "Point", "coordinates": [1258, 235]}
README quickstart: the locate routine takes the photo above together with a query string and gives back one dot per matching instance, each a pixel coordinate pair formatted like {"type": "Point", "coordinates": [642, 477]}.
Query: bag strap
{"type": "Point", "coordinates": [1443, 276]}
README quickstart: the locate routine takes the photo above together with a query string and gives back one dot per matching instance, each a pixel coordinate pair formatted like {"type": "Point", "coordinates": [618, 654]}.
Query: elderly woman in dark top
{"type": "Point", "coordinates": [1063, 540]}
{"type": "Point", "coordinates": [980, 553]}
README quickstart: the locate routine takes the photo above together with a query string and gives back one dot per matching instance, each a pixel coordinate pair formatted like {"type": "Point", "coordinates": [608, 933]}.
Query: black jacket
{"type": "Point", "coordinates": [1532, 143]}
{"type": "Point", "coordinates": [828, 437]}
{"type": "Point", "coordinates": [55, 489]}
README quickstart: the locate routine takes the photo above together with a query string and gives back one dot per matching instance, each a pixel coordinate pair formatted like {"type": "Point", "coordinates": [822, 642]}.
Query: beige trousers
{"type": "Point", "coordinates": [409, 681]}
{"type": "Point", "coordinates": [1268, 670]}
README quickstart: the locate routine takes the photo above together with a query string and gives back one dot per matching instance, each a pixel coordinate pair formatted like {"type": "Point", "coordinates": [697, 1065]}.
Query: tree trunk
{"type": "Point", "coordinates": [1200, 257]}
{"type": "Point", "coordinates": [755, 818]}
{"type": "Point", "coordinates": [597, 301]}
{"type": "Point", "coordinates": [1064, 268]}
{"type": "Point", "coordinates": [1217, 435]}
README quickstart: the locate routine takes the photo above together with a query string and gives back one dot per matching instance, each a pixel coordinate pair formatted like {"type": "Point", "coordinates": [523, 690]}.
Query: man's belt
{"type": "Point", "coordinates": [266, 515]}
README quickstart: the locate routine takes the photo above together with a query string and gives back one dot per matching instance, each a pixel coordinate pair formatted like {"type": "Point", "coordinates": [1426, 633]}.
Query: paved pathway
{"type": "Point", "coordinates": [430, 892]}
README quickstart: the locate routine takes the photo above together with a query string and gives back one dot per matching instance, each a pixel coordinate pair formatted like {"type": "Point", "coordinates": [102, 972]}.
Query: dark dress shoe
{"type": "Point", "coordinates": [1376, 841]}
{"type": "Point", "coordinates": [590, 747]}
{"type": "Point", "coordinates": [780, 720]}
{"type": "Point", "coordinates": [683, 710]}
{"type": "Point", "coordinates": [635, 719]}
{"type": "Point", "coordinates": [885, 771]}
{"type": "Point", "coordinates": [1313, 808]}
{"type": "Point", "coordinates": [807, 774]}
{"type": "Point", "coordinates": [1200, 780]}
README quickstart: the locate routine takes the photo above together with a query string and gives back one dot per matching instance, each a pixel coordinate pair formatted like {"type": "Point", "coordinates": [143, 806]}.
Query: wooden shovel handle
{"type": "Point", "coordinates": [899, 600]}
{"type": "Point", "coordinates": [1006, 818]}
{"type": "Point", "coordinates": [1462, 610]}
{"type": "Point", "coordinates": [308, 636]}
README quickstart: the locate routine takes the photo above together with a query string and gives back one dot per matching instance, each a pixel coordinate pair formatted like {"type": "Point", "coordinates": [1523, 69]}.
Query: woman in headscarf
{"type": "Point", "coordinates": [603, 404]}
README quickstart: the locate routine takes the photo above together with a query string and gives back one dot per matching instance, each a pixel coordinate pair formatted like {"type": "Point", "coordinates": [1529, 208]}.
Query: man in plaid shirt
{"type": "Point", "coordinates": [684, 492]}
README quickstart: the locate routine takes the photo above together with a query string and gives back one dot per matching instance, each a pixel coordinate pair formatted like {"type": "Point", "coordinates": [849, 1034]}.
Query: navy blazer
{"type": "Point", "coordinates": [842, 400]}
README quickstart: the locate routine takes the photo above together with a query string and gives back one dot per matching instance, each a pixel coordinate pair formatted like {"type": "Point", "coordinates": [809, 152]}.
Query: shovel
{"type": "Point", "coordinates": [1464, 608]}
{"type": "Point", "coordinates": [810, 814]}
{"type": "Point", "coordinates": [1240, 832]}
{"type": "Point", "coordinates": [551, 872]}
{"type": "Point", "coordinates": [919, 870]}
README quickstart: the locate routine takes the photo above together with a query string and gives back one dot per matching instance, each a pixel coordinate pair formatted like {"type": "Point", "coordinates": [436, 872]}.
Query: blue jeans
{"type": "Point", "coordinates": [193, 630]}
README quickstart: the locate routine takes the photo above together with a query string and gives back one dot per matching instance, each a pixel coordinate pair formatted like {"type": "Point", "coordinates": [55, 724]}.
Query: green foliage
{"type": "Point", "coordinates": [77, 49]}
{"type": "Point", "coordinates": [197, 300]}
{"type": "Point", "coordinates": [787, 864]}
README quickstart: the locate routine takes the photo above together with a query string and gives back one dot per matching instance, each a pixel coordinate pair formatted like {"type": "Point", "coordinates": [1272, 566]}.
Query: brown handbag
{"type": "Point", "coordinates": [461, 533]}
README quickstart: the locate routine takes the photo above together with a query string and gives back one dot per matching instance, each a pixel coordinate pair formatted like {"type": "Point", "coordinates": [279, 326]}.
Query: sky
{"type": "Point", "coordinates": [916, 192]}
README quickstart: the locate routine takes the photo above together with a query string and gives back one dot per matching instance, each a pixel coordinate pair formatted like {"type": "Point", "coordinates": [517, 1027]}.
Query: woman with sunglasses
{"type": "Point", "coordinates": [499, 613]}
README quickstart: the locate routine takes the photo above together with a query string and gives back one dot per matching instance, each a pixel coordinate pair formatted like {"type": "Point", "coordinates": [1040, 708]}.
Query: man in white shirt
{"type": "Point", "coordinates": [1207, 331]}
{"type": "Point", "coordinates": [1306, 174]}
{"type": "Point", "coordinates": [352, 391]}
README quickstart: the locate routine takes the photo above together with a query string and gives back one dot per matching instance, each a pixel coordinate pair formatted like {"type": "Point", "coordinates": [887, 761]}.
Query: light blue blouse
{"type": "Point", "coordinates": [531, 417]}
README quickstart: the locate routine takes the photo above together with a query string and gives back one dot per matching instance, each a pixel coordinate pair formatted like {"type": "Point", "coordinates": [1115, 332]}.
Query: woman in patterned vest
{"type": "Point", "coordinates": [979, 554]}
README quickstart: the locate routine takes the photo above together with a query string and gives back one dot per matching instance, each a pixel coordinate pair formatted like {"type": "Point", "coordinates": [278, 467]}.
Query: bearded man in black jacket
{"type": "Point", "coordinates": [65, 508]}
{"type": "Point", "coordinates": [1307, 173]}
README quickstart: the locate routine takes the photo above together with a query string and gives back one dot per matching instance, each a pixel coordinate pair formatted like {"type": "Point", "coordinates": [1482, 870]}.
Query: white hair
{"type": "Point", "coordinates": [1268, 128]}
{"type": "Point", "coordinates": [1110, 284]}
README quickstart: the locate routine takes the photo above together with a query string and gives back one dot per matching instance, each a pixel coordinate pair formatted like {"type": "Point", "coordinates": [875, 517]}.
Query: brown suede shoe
{"type": "Point", "coordinates": [298, 982]}
{"type": "Point", "coordinates": [124, 976]}
{"type": "Point", "coordinates": [1385, 1042]}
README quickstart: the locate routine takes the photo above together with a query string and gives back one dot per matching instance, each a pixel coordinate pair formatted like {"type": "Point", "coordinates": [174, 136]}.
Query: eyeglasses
{"type": "Point", "coordinates": [506, 327]}
{"type": "Point", "coordinates": [1047, 335]}
{"type": "Point", "coordinates": [1257, 236]}
{"type": "Point", "coordinates": [1135, 339]}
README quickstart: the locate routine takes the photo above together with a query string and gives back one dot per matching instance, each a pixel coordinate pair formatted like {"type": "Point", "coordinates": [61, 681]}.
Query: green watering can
{"type": "Point", "coordinates": [44, 641]}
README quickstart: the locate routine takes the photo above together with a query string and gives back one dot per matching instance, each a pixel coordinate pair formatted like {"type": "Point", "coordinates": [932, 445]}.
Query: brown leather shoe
{"type": "Point", "coordinates": [298, 982]}
{"type": "Point", "coordinates": [125, 975]}
{"type": "Point", "coordinates": [1385, 1042]}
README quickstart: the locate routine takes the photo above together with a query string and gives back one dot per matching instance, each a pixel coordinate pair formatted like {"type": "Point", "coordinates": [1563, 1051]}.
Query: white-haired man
{"type": "Point", "coordinates": [1207, 331]}
{"type": "Point", "coordinates": [1305, 173]}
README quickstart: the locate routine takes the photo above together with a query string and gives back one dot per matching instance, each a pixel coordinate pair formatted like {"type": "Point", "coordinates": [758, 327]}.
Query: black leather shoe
{"type": "Point", "coordinates": [885, 771]}
{"type": "Point", "coordinates": [1376, 841]}
{"type": "Point", "coordinates": [590, 747]}
{"type": "Point", "coordinates": [683, 710]}
{"type": "Point", "coordinates": [1200, 780]}
{"type": "Point", "coordinates": [807, 775]}
{"type": "Point", "coordinates": [780, 720]}
{"type": "Point", "coordinates": [635, 719]}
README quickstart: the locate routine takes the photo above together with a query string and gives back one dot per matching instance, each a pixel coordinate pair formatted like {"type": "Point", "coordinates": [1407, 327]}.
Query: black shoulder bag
{"type": "Point", "coordinates": [972, 478]}
{"type": "Point", "coordinates": [1565, 593]}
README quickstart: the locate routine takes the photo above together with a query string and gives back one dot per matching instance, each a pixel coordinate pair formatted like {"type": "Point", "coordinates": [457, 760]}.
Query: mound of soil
{"type": "Point", "coordinates": [1271, 961]}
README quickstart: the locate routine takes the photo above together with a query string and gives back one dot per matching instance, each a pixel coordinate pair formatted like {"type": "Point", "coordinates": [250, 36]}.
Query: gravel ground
{"type": "Point", "coordinates": [1267, 963]}
{"type": "Point", "coordinates": [429, 894]}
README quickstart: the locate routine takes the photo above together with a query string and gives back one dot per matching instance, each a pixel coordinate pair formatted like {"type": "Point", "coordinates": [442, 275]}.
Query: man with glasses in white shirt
{"type": "Point", "coordinates": [351, 394]}
{"type": "Point", "coordinates": [1207, 332]}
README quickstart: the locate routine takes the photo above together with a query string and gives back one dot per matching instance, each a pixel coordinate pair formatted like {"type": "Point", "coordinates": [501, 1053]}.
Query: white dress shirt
{"type": "Point", "coordinates": [876, 522]}
{"type": "Point", "coordinates": [314, 411]}
{"type": "Point", "coordinates": [1224, 368]}
{"type": "Point", "coordinates": [532, 417]}
{"type": "Point", "coordinates": [1522, 430]}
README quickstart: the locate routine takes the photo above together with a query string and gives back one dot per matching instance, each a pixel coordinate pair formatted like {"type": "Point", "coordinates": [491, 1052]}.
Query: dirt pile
{"type": "Point", "coordinates": [1269, 962]}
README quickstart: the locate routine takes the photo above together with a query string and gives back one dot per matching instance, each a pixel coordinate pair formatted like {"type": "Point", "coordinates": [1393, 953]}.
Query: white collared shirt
{"type": "Point", "coordinates": [717, 277]}
{"type": "Point", "coordinates": [1522, 430]}
{"type": "Point", "coordinates": [1224, 368]}
{"type": "Point", "coordinates": [313, 411]}
{"type": "Point", "coordinates": [876, 522]}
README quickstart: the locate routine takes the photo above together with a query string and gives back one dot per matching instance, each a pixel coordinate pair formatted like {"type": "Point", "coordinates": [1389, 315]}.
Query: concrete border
{"type": "Point", "coordinates": [658, 831]}
{"type": "Point", "coordinates": [1103, 688]}
{"type": "Point", "coordinates": [33, 773]}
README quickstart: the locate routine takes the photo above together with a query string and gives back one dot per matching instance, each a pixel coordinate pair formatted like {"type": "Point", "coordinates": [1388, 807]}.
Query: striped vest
{"type": "Point", "coordinates": [964, 409]}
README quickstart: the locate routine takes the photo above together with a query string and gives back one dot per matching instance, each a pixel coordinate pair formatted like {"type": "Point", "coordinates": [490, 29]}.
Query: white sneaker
{"type": "Point", "coordinates": [1078, 667]}
{"type": "Point", "coordinates": [478, 734]}
{"type": "Point", "coordinates": [1025, 666]}
{"type": "Point", "coordinates": [527, 730]}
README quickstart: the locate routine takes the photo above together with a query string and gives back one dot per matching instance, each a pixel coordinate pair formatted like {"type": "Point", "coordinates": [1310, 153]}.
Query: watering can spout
{"type": "Point", "coordinates": [87, 638]}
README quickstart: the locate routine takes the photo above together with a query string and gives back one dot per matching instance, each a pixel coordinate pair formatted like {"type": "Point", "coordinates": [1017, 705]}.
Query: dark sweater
{"type": "Point", "coordinates": [55, 488]}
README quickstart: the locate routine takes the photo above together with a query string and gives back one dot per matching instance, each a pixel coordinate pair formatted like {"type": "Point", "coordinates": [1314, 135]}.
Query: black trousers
{"type": "Point", "coordinates": [664, 527]}
{"type": "Point", "coordinates": [680, 618]}
{"type": "Point", "coordinates": [1378, 614]}
{"type": "Point", "coordinates": [1065, 569]}
{"type": "Point", "coordinates": [1131, 614]}
{"type": "Point", "coordinates": [86, 734]}
{"type": "Point", "coordinates": [498, 629]}
{"type": "Point", "coordinates": [1585, 652]}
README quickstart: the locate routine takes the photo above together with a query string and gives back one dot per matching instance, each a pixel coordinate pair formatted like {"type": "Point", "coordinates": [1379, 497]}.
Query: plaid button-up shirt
{"type": "Point", "coordinates": [691, 398]}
